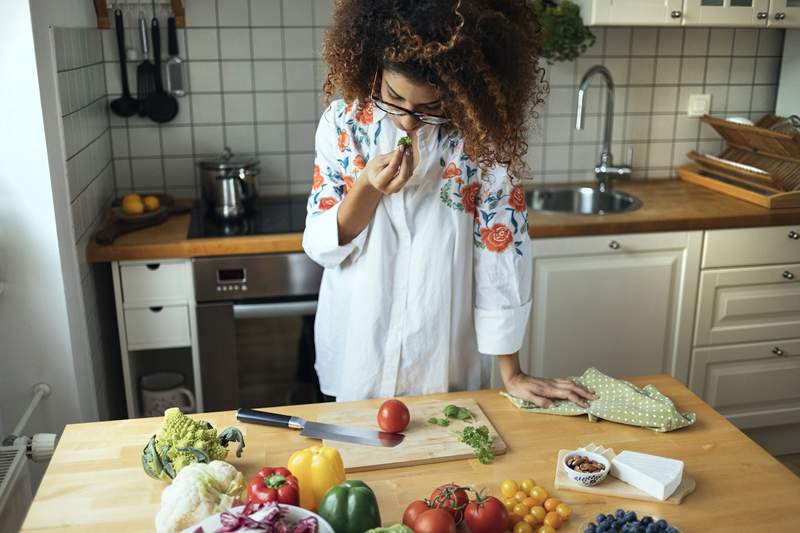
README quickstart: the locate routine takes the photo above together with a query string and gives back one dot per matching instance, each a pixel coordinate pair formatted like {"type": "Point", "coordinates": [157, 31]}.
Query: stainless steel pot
{"type": "Point", "coordinates": [228, 184]}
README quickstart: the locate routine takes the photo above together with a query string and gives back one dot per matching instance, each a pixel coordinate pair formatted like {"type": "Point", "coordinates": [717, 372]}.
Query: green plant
{"type": "Point", "coordinates": [564, 35]}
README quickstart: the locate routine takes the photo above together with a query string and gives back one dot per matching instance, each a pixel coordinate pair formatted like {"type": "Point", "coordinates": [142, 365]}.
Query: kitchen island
{"type": "Point", "coordinates": [95, 480]}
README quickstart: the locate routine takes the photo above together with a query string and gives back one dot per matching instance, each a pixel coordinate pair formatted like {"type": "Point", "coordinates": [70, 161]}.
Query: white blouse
{"type": "Point", "coordinates": [441, 274]}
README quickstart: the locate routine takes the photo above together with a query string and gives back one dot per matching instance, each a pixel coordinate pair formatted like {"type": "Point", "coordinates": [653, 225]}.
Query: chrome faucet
{"type": "Point", "coordinates": [605, 170]}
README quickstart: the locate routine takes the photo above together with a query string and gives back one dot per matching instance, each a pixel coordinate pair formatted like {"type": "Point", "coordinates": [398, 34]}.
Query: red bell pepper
{"type": "Point", "coordinates": [274, 485]}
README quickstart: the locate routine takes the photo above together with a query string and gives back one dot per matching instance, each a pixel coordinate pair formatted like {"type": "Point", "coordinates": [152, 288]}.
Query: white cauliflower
{"type": "Point", "coordinates": [197, 492]}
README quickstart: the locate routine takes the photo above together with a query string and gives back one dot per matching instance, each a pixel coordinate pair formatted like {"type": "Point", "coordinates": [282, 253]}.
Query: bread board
{"type": "Point", "coordinates": [612, 486]}
{"type": "Point", "coordinates": [424, 443]}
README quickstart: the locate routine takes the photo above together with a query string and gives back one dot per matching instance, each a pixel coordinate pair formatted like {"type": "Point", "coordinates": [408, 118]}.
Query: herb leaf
{"type": "Point", "coordinates": [479, 440]}
{"type": "Point", "coordinates": [439, 421]}
{"type": "Point", "coordinates": [459, 413]}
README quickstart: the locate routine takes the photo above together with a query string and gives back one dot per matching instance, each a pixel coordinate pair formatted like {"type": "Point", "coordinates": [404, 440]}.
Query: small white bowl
{"type": "Point", "coordinates": [587, 479]}
{"type": "Point", "coordinates": [294, 514]}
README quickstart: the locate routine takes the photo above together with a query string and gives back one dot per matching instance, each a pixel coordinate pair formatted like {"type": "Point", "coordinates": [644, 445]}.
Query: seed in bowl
{"type": "Point", "coordinates": [581, 463]}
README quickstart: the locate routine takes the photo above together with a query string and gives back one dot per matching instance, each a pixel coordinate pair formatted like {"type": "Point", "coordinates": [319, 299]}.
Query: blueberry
{"type": "Point", "coordinates": [590, 529]}
{"type": "Point", "coordinates": [672, 530]}
{"type": "Point", "coordinates": [609, 517]}
{"type": "Point", "coordinates": [662, 524]}
{"type": "Point", "coordinates": [600, 518]}
{"type": "Point", "coordinates": [620, 513]}
{"type": "Point", "coordinates": [647, 520]}
{"type": "Point", "coordinates": [651, 528]}
{"type": "Point", "coordinates": [602, 528]}
{"type": "Point", "coordinates": [630, 516]}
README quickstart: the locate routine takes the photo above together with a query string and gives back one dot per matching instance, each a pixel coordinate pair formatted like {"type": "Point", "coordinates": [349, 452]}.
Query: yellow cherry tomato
{"type": "Point", "coordinates": [553, 519]}
{"type": "Point", "coordinates": [529, 518]}
{"type": "Point", "coordinates": [564, 510]}
{"type": "Point", "coordinates": [510, 503]}
{"type": "Point", "coordinates": [527, 485]}
{"type": "Point", "coordinates": [531, 502]}
{"type": "Point", "coordinates": [519, 496]}
{"type": "Point", "coordinates": [508, 488]}
{"type": "Point", "coordinates": [523, 527]}
{"type": "Point", "coordinates": [521, 509]}
{"type": "Point", "coordinates": [539, 493]}
{"type": "Point", "coordinates": [514, 519]}
{"type": "Point", "coordinates": [550, 504]}
{"type": "Point", "coordinates": [545, 529]}
{"type": "Point", "coordinates": [538, 512]}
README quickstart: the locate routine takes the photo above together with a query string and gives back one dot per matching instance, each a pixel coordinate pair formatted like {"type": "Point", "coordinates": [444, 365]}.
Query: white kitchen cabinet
{"type": "Point", "coordinates": [632, 12]}
{"type": "Point", "coordinates": [742, 13]}
{"type": "Point", "coordinates": [623, 304]}
{"type": "Point", "coordinates": [784, 14]}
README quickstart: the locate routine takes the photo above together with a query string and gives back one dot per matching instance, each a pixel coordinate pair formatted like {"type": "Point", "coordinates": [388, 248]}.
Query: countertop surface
{"type": "Point", "coordinates": [667, 205]}
{"type": "Point", "coordinates": [95, 480]}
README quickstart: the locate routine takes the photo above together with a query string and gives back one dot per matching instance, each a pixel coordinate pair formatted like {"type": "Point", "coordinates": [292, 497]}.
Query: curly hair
{"type": "Point", "coordinates": [481, 57]}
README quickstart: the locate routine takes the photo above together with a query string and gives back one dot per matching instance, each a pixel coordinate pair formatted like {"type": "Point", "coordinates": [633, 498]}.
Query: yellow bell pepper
{"type": "Point", "coordinates": [317, 468]}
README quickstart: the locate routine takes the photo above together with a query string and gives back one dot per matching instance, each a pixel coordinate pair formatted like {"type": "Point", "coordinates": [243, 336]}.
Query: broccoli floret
{"type": "Point", "coordinates": [404, 141]}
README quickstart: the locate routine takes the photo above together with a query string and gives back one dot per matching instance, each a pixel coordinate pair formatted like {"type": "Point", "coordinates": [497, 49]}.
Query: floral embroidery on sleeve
{"type": "Point", "coordinates": [508, 205]}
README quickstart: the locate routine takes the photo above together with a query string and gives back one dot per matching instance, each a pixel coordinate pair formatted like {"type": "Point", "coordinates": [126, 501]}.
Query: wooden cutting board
{"type": "Point", "coordinates": [612, 486]}
{"type": "Point", "coordinates": [424, 443]}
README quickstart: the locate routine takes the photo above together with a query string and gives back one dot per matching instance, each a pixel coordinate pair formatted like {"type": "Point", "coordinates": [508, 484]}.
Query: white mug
{"type": "Point", "coordinates": [163, 390]}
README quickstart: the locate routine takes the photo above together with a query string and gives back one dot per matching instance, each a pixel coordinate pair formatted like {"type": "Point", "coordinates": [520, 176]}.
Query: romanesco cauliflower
{"type": "Point", "coordinates": [183, 441]}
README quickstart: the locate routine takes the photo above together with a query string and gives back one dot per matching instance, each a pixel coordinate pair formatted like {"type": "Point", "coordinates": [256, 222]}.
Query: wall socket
{"type": "Point", "coordinates": [699, 105]}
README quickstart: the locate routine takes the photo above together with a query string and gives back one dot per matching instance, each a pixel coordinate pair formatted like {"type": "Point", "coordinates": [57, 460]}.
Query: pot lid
{"type": "Point", "coordinates": [228, 161]}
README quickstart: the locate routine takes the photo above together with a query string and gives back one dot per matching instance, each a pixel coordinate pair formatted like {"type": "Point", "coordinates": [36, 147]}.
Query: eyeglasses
{"type": "Point", "coordinates": [398, 111]}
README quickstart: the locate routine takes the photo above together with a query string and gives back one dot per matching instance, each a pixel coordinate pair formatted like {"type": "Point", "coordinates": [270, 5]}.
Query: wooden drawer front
{"type": "Point", "coordinates": [749, 384]}
{"type": "Point", "coordinates": [748, 305]}
{"type": "Point", "coordinates": [751, 246]}
{"type": "Point", "coordinates": [150, 283]}
{"type": "Point", "coordinates": [613, 244]}
{"type": "Point", "coordinates": [157, 327]}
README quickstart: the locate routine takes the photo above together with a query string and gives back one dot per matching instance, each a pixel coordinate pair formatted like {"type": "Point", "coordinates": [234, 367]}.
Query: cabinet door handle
{"type": "Point", "coordinates": [157, 309]}
{"type": "Point", "coordinates": [777, 351]}
{"type": "Point", "coordinates": [780, 16]}
{"type": "Point", "coordinates": [787, 275]}
{"type": "Point", "coordinates": [676, 14]}
{"type": "Point", "coordinates": [762, 15]}
{"type": "Point", "coordinates": [793, 235]}
{"type": "Point", "coordinates": [614, 245]}
{"type": "Point", "coordinates": [153, 266]}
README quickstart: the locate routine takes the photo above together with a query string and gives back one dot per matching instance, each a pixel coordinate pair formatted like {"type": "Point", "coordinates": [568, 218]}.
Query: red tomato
{"type": "Point", "coordinates": [435, 521]}
{"type": "Point", "coordinates": [393, 416]}
{"type": "Point", "coordinates": [487, 515]}
{"type": "Point", "coordinates": [414, 509]}
{"type": "Point", "coordinates": [452, 499]}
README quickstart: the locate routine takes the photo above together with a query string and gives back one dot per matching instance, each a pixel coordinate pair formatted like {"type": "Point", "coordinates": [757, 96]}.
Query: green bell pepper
{"type": "Point", "coordinates": [397, 528]}
{"type": "Point", "coordinates": [350, 507]}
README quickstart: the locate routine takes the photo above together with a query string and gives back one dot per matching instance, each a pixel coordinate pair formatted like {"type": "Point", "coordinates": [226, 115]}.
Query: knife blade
{"type": "Point", "coordinates": [318, 430]}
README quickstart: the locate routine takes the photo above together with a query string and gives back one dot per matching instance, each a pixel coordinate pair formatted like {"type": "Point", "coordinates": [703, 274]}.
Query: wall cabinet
{"type": "Point", "coordinates": [731, 13]}
{"type": "Point", "coordinates": [621, 303]}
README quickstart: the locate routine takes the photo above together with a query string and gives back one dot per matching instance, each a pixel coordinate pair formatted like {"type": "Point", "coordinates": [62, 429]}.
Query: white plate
{"type": "Point", "coordinates": [294, 514]}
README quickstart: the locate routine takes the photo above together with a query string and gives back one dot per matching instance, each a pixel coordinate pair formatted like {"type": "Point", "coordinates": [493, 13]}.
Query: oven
{"type": "Point", "coordinates": [255, 321]}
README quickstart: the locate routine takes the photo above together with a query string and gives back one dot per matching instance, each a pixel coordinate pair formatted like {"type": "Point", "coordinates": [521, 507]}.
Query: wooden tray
{"type": "Point", "coordinates": [611, 486]}
{"type": "Point", "coordinates": [731, 185]}
{"type": "Point", "coordinates": [424, 443]}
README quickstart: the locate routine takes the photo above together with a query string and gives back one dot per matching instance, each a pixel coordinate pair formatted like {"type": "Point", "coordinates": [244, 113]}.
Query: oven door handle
{"type": "Point", "coordinates": [275, 309]}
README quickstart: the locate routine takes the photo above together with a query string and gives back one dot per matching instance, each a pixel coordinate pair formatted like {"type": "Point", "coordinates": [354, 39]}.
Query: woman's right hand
{"type": "Point", "coordinates": [388, 173]}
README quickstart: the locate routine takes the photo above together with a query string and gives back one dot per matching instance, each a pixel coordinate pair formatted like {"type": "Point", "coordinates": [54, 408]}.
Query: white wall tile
{"type": "Point", "coordinates": [265, 12]}
{"type": "Point", "coordinates": [764, 98]}
{"type": "Point", "coordinates": [208, 140]}
{"type": "Point", "coordinates": [274, 168]}
{"type": "Point", "coordinates": [644, 42]}
{"type": "Point", "coordinates": [693, 70]}
{"type": "Point", "coordinates": [204, 76]}
{"type": "Point", "coordinates": [660, 155]}
{"type": "Point", "coordinates": [297, 13]}
{"type": "Point", "coordinates": [695, 42]}
{"type": "Point", "coordinates": [683, 96]}
{"type": "Point", "coordinates": [271, 138]}
{"type": "Point", "coordinates": [719, 70]}
{"type": "Point", "coordinates": [202, 44]}
{"type": "Point", "coordinates": [556, 158]}
{"type": "Point", "coordinates": [667, 70]}
{"type": "Point", "coordinates": [301, 137]}
{"type": "Point", "coordinates": [742, 69]}
{"type": "Point", "coordinates": [637, 128]}
{"type": "Point", "coordinates": [119, 142]}
{"type": "Point", "coordinates": [176, 140]}
{"type": "Point", "coordinates": [207, 108]}
{"type": "Point", "coordinates": [301, 106]}
{"type": "Point", "coordinates": [558, 129]}
{"type": "Point", "coordinates": [739, 98]}
{"type": "Point", "coordinates": [639, 99]}
{"type": "Point", "coordinates": [301, 167]}
{"type": "Point", "coordinates": [300, 75]}
{"type": "Point", "coordinates": [670, 41]}
{"type": "Point", "coordinates": [241, 138]}
{"type": "Point", "coordinates": [299, 43]}
{"type": "Point", "coordinates": [144, 142]}
{"type": "Point", "coordinates": [596, 50]}
{"type": "Point", "coordinates": [642, 71]}
{"type": "Point", "coordinates": [679, 151]}
{"type": "Point", "coordinates": [745, 42]}
{"type": "Point", "coordinates": [561, 100]}
{"type": "Point", "coordinates": [239, 107]}
{"type": "Point", "coordinates": [201, 13]}
{"type": "Point", "coordinates": [270, 107]}
{"type": "Point", "coordinates": [234, 43]}
{"type": "Point", "coordinates": [233, 13]}
{"type": "Point", "coordinates": [767, 69]}
{"type": "Point", "coordinates": [323, 12]}
{"type": "Point", "coordinates": [665, 99]}
{"type": "Point", "coordinates": [720, 42]}
{"type": "Point", "coordinates": [237, 75]}
{"type": "Point", "coordinates": [122, 175]}
{"type": "Point", "coordinates": [719, 97]}
{"type": "Point", "coordinates": [662, 127]}
{"type": "Point", "coordinates": [770, 42]}
{"type": "Point", "coordinates": [618, 41]}
{"type": "Point", "coordinates": [147, 175]}
{"type": "Point", "coordinates": [267, 43]}
{"type": "Point", "coordinates": [686, 127]}
{"type": "Point", "coordinates": [268, 75]}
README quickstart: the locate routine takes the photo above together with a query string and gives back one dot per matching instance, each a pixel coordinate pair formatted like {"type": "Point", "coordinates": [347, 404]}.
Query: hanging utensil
{"type": "Point", "coordinates": [125, 105]}
{"type": "Point", "coordinates": [176, 80]}
{"type": "Point", "coordinates": [145, 72]}
{"type": "Point", "coordinates": [160, 106]}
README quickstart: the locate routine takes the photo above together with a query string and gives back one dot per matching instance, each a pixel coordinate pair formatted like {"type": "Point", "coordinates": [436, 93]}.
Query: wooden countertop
{"type": "Point", "coordinates": [95, 480]}
{"type": "Point", "coordinates": [667, 205]}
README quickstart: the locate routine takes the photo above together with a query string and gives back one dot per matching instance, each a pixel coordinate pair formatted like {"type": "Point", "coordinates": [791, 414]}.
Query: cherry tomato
{"type": "Point", "coordinates": [508, 488]}
{"type": "Point", "coordinates": [553, 519]}
{"type": "Point", "coordinates": [529, 518]}
{"type": "Point", "coordinates": [452, 499]}
{"type": "Point", "coordinates": [514, 519]}
{"type": "Point", "coordinates": [435, 521]}
{"type": "Point", "coordinates": [523, 527]}
{"type": "Point", "coordinates": [521, 509]}
{"type": "Point", "coordinates": [519, 496]}
{"type": "Point", "coordinates": [545, 529]}
{"type": "Point", "coordinates": [486, 515]}
{"type": "Point", "coordinates": [393, 416]}
{"type": "Point", "coordinates": [539, 512]}
{"type": "Point", "coordinates": [550, 504]}
{"type": "Point", "coordinates": [539, 493]}
{"type": "Point", "coordinates": [531, 502]}
{"type": "Point", "coordinates": [564, 510]}
{"type": "Point", "coordinates": [527, 485]}
{"type": "Point", "coordinates": [412, 512]}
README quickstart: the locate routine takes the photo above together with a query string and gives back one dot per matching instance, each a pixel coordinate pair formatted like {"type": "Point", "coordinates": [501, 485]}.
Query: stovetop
{"type": "Point", "coordinates": [270, 214]}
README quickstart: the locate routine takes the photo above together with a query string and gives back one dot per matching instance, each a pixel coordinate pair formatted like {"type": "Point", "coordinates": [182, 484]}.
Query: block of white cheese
{"type": "Point", "coordinates": [654, 475]}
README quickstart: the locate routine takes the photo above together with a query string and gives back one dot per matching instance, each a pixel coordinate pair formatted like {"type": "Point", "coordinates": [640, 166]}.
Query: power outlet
{"type": "Point", "coordinates": [699, 105]}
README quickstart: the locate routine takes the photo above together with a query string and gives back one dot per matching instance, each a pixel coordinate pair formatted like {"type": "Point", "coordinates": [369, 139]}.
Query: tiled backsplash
{"type": "Point", "coordinates": [255, 74]}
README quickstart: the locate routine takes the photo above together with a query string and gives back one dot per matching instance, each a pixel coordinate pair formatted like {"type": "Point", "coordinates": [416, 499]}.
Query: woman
{"type": "Point", "coordinates": [425, 247]}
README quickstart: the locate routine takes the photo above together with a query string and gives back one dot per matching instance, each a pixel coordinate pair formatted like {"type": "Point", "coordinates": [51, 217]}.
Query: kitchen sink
{"type": "Point", "coordinates": [581, 201]}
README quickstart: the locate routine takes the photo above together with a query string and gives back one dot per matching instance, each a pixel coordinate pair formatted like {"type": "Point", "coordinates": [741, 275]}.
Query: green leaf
{"type": "Point", "coordinates": [479, 440]}
{"type": "Point", "coordinates": [439, 421]}
{"type": "Point", "coordinates": [459, 413]}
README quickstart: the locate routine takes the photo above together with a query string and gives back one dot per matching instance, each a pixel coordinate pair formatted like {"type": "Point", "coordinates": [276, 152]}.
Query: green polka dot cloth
{"type": "Point", "coordinates": [618, 401]}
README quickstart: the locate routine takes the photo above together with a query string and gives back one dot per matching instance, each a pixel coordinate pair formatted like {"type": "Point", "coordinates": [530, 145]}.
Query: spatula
{"type": "Point", "coordinates": [160, 106]}
{"type": "Point", "coordinates": [146, 71]}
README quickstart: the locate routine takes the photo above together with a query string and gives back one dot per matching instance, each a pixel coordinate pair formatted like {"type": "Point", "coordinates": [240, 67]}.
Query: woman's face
{"type": "Point", "coordinates": [401, 91]}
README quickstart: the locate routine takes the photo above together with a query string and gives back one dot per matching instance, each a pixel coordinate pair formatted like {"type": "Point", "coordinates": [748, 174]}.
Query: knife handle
{"type": "Point", "coordinates": [268, 419]}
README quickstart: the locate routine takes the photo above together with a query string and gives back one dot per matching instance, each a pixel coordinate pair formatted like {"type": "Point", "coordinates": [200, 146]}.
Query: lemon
{"type": "Point", "coordinates": [151, 203]}
{"type": "Point", "coordinates": [131, 196]}
{"type": "Point", "coordinates": [132, 206]}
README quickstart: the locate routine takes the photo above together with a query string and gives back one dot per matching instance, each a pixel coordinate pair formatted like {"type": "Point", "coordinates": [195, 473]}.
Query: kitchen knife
{"type": "Point", "coordinates": [317, 430]}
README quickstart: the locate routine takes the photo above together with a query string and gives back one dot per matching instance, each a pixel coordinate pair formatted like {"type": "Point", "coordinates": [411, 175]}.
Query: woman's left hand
{"type": "Point", "coordinates": [542, 391]}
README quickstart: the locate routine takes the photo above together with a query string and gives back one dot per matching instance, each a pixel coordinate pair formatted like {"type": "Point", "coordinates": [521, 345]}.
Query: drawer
{"type": "Point", "coordinates": [750, 384]}
{"type": "Point", "coordinates": [145, 284]}
{"type": "Point", "coordinates": [751, 246]}
{"type": "Point", "coordinates": [157, 327]}
{"type": "Point", "coordinates": [615, 244]}
{"type": "Point", "coordinates": [748, 305]}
